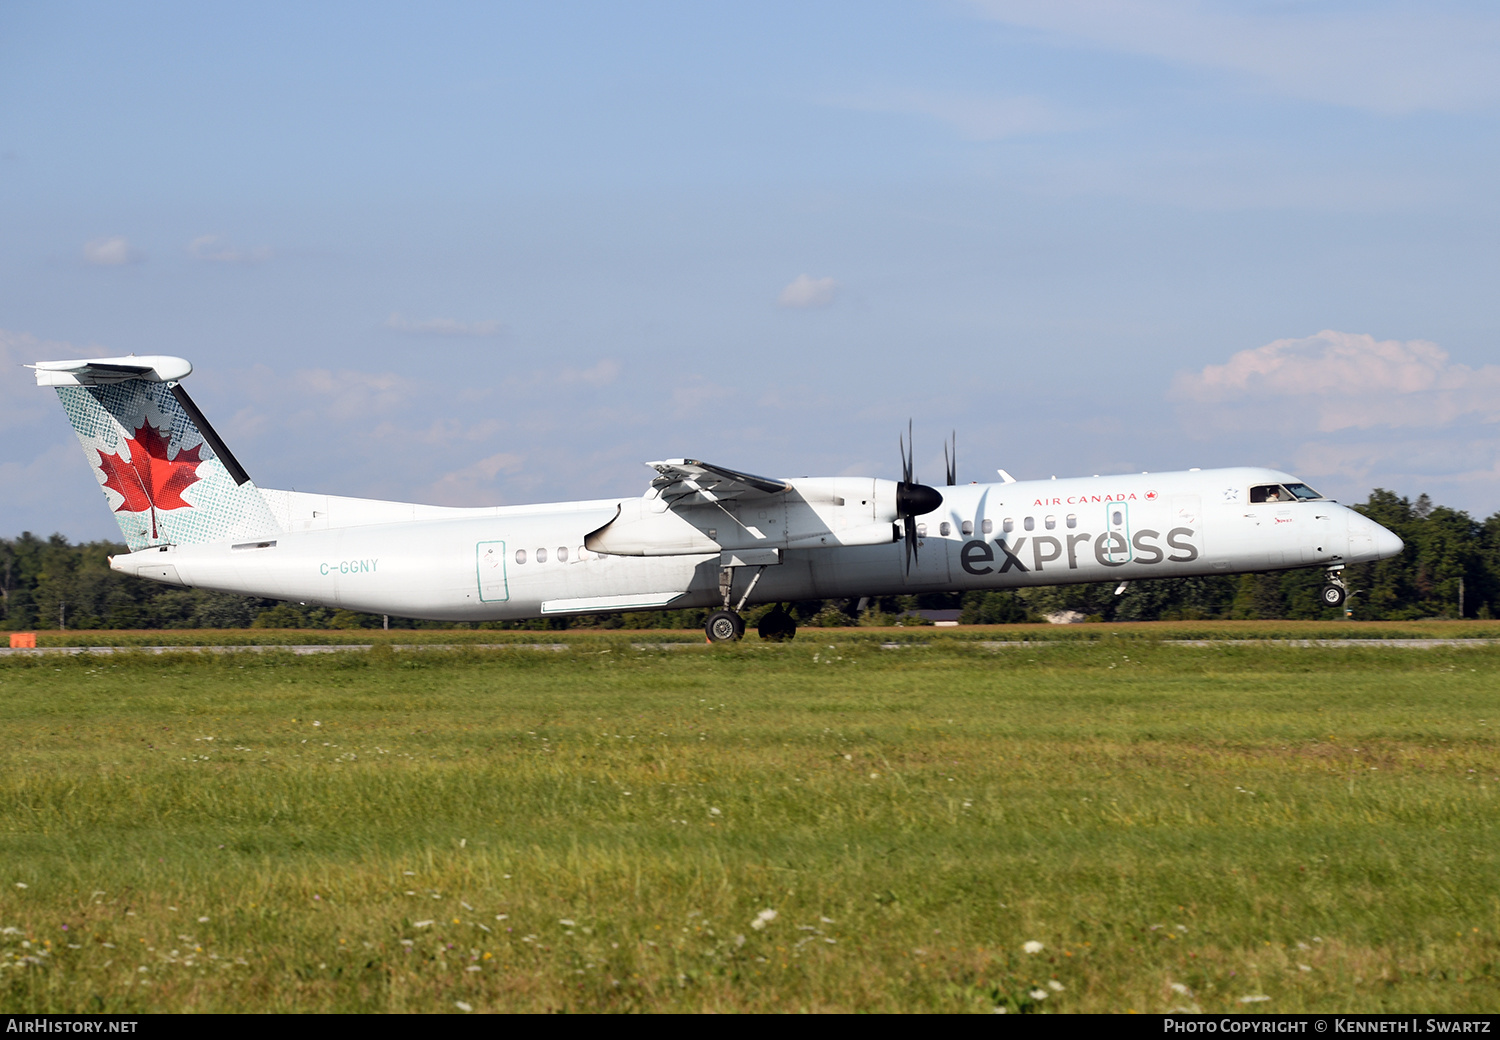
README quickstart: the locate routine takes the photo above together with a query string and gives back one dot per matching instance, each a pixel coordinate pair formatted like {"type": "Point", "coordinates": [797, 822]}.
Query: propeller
{"type": "Point", "coordinates": [913, 499]}
{"type": "Point", "coordinates": [950, 462]}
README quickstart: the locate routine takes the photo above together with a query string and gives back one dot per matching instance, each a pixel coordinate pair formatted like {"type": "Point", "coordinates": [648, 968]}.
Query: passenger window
{"type": "Point", "coordinates": [562, 554]}
{"type": "Point", "coordinates": [989, 526]}
{"type": "Point", "coordinates": [582, 553]}
{"type": "Point", "coordinates": [1030, 524]}
{"type": "Point", "coordinates": [1117, 518]}
{"type": "Point", "coordinates": [1008, 525]}
{"type": "Point", "coordinates": [541, 556]}
{"type": "Point", "coordinates": [944, 528]}
{"type": "Point", "coordinates": [520, 555]}
{"type": "Point", "coordinates": [921, 530]}
{"type": "Point", "coordinates": [1051, 522]}
{"type": "Point", "coordinates": [1072, 519]}
{"type": "Point", "coordinates": [967, 527]}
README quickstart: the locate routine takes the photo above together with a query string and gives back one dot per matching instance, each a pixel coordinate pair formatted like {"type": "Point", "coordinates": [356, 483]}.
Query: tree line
{"type": "Point", "coordinates": [1450, 569]}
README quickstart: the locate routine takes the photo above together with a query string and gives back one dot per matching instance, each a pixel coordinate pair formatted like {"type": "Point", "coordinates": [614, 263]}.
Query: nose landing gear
{"type": "Point", "coordinates": [1335, 592]}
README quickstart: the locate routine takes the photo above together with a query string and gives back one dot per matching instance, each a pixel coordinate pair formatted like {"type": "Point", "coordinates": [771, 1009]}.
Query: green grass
{"type": "Point", "coordinates": [1316, 826]}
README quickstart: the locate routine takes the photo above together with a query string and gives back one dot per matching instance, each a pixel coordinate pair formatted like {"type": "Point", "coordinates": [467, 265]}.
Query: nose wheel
{"type": "Point", "coordinates": [1335, 592]}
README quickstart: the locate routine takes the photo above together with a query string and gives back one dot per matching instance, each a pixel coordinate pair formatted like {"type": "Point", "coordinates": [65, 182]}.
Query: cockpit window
{"type": "Point", "coordinates": [1282, 493]}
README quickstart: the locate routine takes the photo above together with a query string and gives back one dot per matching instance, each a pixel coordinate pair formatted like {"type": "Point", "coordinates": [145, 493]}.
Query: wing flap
{"type": "Point", "coordinates": [683, 482]}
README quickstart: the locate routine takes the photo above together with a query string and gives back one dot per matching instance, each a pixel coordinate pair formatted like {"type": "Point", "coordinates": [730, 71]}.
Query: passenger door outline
{"type": "Point", "coordinates": [1117, 522]}
{"type": "Point", "coordinates": [489, 570]}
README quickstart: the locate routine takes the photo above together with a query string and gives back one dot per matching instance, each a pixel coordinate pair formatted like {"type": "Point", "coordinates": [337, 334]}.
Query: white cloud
{"type": "Point", "coordinates": [1390, 58]}
{"type": "Point", "coordinates": [475, 484]}
{"type": "Point", "coordinates": [602, 373]}
{"type": "Point", "coordinates": [698, 398]}
{"type": "Point", "coordinates": [21, 400]}
{"type": "Point", "coordinates": [110, 252]}
{"type": "Point", "coordinates": [1220, 175]}
{"type": "Point", "coordinates": [214, 249]}
{"type": "Point", "coordinates": [806, 291]}
{"type": "Point", "coordinates": [1341, 380]}
{"type": "Point", "coordinates": [349, 395]}
{"type": "Point", "coordinates": [976, 117]}
{"type": "Point", "coordinates": [444, 327]}
{"type": "Point", "coordinates": [1461, 472]}
{"type": "Point", "coordinates": [51, 489]}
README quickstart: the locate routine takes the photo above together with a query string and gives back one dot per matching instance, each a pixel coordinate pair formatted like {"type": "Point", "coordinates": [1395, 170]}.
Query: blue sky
{"type": "Point", "coordinates": [504, 253]}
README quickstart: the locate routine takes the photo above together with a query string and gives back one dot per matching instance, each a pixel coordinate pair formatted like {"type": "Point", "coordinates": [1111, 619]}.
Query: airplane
{"type": "Point", "coordinates": [701, 535]}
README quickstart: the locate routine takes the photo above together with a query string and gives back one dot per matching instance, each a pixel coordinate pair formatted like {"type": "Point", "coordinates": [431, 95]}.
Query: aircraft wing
{"type": "Point", "coordinates": [686, 482]}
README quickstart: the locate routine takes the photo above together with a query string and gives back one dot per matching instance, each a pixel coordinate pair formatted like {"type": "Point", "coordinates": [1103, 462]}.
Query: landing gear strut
{"type": "Point", "coordinates": [725, 625]}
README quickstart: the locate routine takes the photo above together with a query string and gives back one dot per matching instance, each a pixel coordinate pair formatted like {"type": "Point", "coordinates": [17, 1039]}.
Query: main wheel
{"type": "Point", "coordinates": [724, 626]}
{"type": "Point", "coordinates": [778, 626]}
{"type": "Point", "coordinates": [1333, 596]}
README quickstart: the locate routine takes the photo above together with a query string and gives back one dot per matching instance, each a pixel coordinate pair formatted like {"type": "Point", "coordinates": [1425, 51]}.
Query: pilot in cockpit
{"type": "Point", "coordinates": [1269, 493]}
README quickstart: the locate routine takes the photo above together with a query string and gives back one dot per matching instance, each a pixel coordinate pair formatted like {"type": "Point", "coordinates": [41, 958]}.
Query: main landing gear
{"type": "Point", "coordinates": [1335, 592]}
{"type": "Point", "coordinates": [778, 626]}
{"type": "Point", "coordinates": [725, 625]}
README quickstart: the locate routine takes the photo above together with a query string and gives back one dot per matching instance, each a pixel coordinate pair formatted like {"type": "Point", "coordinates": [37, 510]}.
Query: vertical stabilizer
{"type": "Point", "coordinates": [166, 473]}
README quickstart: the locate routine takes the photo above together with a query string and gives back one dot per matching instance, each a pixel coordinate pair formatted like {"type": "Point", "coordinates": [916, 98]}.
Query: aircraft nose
{"type": "Point", "coordinates": [1387, 544]}
{"type": "Point", "coordinates": [1368, 541]}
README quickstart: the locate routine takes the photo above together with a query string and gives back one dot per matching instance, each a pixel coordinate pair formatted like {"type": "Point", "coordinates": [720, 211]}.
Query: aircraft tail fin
{"type": "Point", "coordinates": [168, 476]}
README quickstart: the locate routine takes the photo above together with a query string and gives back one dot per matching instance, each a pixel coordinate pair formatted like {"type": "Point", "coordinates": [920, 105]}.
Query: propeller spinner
{"type": "Point", "coordinates": [913, 499]}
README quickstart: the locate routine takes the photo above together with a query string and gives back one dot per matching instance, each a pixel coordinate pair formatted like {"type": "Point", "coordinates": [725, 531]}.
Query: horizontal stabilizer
{"type": "Point", "coordinates": [153, 368]}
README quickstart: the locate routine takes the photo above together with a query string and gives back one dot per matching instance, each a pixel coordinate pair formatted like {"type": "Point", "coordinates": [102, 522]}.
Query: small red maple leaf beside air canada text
{"type": "Point", "coordinates": [150, 480]}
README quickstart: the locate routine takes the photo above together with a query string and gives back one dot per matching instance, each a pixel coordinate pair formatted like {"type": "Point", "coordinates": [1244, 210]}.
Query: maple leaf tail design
{"type": "Point", "coordinates": [154, 452]}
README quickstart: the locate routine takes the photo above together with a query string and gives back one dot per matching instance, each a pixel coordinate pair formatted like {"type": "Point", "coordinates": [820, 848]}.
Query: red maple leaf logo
{"type": "Point", "coordinates": [150, 480]}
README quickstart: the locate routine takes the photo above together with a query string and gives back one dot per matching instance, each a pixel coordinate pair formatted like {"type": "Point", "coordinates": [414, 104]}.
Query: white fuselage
{"type": "Point", "coordinates": [531, 561]}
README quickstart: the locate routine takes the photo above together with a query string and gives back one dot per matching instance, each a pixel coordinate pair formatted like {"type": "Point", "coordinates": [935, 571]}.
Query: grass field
{"type": "Point", "coordinates": [823, 826]}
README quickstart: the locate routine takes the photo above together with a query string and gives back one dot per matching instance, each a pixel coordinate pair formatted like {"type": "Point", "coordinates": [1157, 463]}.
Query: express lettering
{"type": "Point", "coordinates": [1110, 550]}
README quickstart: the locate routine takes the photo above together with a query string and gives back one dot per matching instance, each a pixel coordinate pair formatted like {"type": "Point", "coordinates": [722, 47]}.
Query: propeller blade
{"type": "Point", "coordinates": [913, 499]}
{"type": "Point", "coordinates": [907, 447]}
{"type": "Point", "coordinates": [950, 462]}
